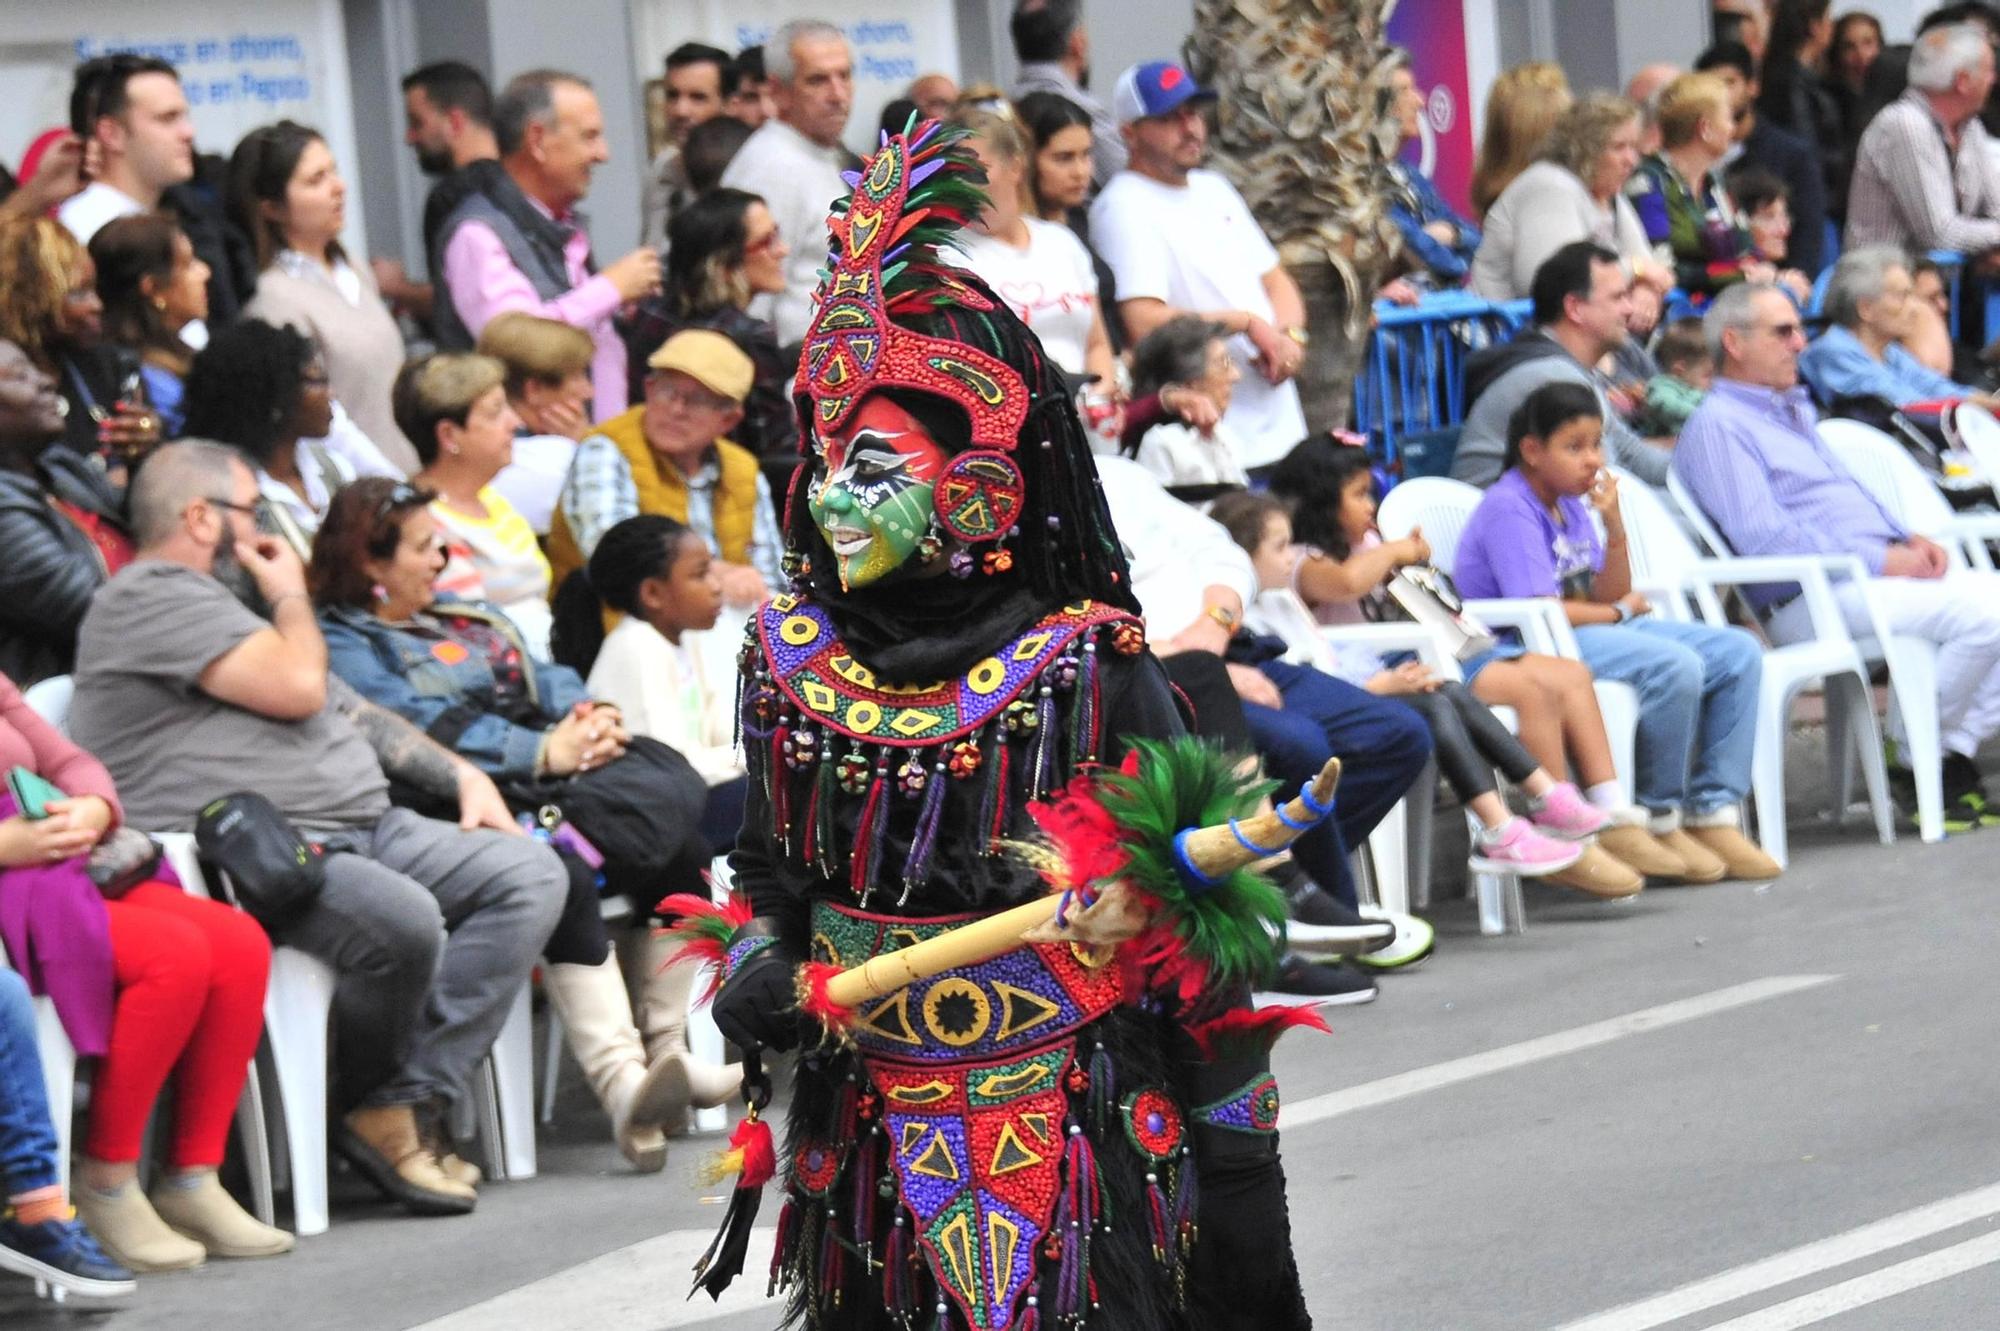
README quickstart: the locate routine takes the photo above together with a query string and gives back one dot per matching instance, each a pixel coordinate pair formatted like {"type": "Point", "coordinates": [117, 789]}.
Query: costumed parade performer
{"type": "Point", "coordinates": [991, 893]}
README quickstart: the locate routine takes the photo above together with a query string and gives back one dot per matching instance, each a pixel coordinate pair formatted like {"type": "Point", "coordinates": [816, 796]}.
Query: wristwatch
{"type": "Point", "coordinates": [1624, 612]}
{"type": "Point", "coordinates": [1298, 335]}
{"type": "Point", "coordinates": [1224, 616]}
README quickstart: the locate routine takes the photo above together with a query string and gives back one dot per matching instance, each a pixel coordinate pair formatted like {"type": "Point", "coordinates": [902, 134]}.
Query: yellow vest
{"type": "Point", "coordinates": [663, 490]}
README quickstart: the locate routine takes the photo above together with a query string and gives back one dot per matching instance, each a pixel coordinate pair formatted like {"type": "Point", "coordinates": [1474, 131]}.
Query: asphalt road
{"type": "Point", "coordinates": [1727, 1107]}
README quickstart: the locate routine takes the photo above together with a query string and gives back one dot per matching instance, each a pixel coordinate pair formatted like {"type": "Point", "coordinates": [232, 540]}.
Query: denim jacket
{"type": "Point", "coordinates": [449, 700]}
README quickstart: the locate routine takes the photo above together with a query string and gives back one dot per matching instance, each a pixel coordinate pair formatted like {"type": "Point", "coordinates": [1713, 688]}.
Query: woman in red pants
{"type": "Point", "coordinates": [154, 982]}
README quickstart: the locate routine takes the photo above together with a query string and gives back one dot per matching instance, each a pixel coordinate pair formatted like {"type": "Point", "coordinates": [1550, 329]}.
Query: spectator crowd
{"type": "Point", "coordinates": [440, 577]}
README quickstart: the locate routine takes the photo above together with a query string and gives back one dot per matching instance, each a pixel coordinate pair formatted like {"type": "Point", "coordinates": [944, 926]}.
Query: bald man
{"type": "Point", "coordinates": [1644, 92]}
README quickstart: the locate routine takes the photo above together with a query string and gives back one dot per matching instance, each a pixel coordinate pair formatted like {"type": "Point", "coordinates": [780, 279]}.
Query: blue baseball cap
{"type": "Point", "coordinates": [1153, 89]}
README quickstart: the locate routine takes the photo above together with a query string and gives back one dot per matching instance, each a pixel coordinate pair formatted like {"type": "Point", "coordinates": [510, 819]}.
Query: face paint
{"type": "Point", "coordinates": [873, 504]}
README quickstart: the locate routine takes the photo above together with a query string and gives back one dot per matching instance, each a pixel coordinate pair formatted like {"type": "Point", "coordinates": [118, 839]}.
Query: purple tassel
{"type": "Point", "coordinates": [1076, 1219]}
{"type": "Point", "coordinates": [1157, 1222]}
{"type": "Point", "coordinates": [1083, 736]}
{"type": "Point", "coordinates": [899, 1286]}
{"type": "Point", "coordinates": [868, 835]}
{"type": "Point", "coordinates": [788, 1224]}
{"type": "Point", "coordinates": [1103, 1089]}
{"type": "Point", "coordinates": [917, 867]}
{"type": "Point", "coordinates": [1031, 1316]}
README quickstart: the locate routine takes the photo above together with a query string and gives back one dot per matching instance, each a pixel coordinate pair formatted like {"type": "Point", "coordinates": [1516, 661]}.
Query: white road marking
{"type": "Point", "coordinates": [1861, 1291]}
{"type": "Point", "coordinates": [1439, 1075]}
{"type": "Point", "coordinates": [1806, 1260]}
{"type": "Point", "coordinates": [644, 1285]}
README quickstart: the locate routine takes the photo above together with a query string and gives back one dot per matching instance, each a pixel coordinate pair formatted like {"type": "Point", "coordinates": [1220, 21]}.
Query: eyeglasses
{"type": "Point", "coordinates": [404, 495]}
{"type": "Point", "coordinates": [667, 390]}
{"type": "Point", "coordinates": [1784, 332]}
{"type": "Point", "coordinates": [230, 504]}
{"type": "Point", "coordinates": [764, 244]}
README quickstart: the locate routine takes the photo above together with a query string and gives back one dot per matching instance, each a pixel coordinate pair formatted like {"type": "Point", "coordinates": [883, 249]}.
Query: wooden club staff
{"type": "Point", "coordinates": [1215, 851]}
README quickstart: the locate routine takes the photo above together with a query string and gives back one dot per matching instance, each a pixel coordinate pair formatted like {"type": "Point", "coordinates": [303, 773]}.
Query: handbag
{"type": "Point", "coordinates": [125, 858]}
{"type": "Point", "coordinates": [273, 873]}
{"type": "Point", "coordinates": [641, 811]}
{"type": "Point", "coordinates": [1427, 595]}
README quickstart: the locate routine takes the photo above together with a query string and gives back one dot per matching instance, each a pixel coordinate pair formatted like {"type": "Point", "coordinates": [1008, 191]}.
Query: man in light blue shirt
{"type": "Point", "coordinates": [1751, 458]}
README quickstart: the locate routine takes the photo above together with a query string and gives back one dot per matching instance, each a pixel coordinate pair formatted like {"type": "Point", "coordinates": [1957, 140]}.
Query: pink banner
{"type": "Point", "coordinates": [1433, 31]}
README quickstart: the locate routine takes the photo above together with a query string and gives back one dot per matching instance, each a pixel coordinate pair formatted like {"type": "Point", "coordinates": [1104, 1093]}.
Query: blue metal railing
{"type": "Point", "coordinates": [1412, 375]}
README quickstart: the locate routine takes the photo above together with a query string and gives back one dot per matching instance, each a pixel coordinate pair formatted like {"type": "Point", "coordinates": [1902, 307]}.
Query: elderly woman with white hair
{"type": "Point", "coordinates": [1923, 176]}
{"type": "Point", "coordinates": [1871, 307]}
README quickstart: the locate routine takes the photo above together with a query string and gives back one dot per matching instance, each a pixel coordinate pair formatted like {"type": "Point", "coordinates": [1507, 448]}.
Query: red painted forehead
{"type": "Point", "coordinates": [880, 416]}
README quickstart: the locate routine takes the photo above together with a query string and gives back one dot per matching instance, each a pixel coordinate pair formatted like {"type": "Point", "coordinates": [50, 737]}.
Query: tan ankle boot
{"type": "Point", "coordinates": [132, 1231]}
{"type": "Point", "coordinates": [663, 1012]}
{"type": "Point", "coordinates": [199, 1207]}
{"type": "Point", "coordinates": [385, 1144]}
{"type": "Point", "coordinates": [596, 1012]}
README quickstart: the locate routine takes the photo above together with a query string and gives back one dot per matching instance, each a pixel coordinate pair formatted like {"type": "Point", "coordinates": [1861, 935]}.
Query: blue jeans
{"type": "Point", "coordinates": [27, 1136]}
{"type": "Point", "coordinates": [1382, 746]}
{"type": "Point", "coordinates": [1697, 707]}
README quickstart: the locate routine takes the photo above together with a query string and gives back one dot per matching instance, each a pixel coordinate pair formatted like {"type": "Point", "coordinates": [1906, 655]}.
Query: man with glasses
{"type": "Point", "coordinates": [1582, 297]}
{"type": "Point", "coordinates": [669, 455]}
{"type": "Point", "coordinates": [201, 671]}
{"type": "Point", "coordinates": [1752, 458]}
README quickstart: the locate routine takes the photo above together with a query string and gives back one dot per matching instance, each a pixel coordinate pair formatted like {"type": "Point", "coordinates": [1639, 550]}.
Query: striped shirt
{"type": "Point", "coordinates": [1752, 458]}
{"type": "Point", "coordinates": [1913, 191]}
{"type": "Point", "coordinates": [601, 493]}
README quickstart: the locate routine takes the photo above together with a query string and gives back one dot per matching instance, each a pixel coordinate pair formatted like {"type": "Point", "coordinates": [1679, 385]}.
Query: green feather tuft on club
{"type": "Point", "coordinates": [1236, 928]}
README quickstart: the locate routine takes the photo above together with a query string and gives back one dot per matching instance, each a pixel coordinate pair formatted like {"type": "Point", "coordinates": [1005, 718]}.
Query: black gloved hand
{"type": "Point", "coordinates": [758, 1003]}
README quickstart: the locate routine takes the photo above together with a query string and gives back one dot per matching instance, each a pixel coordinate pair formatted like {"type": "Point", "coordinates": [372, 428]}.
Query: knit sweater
{"type": "Point", "coordinates": [362, 344]}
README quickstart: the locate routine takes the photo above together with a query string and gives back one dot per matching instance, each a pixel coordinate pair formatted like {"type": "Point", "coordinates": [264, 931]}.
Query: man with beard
{"type": "Point", "coordinates": [1053, 47]}
{"type": "Point", "coordinates": [449, 113]}
{"type": "Point", "coordinates": [186, 692]}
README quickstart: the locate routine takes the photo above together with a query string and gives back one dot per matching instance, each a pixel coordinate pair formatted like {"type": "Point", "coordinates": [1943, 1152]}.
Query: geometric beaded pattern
{"type": "Point", "coordinates": [809, 662]}
{"type": "Point", "coordinates": [742, 950]}
{"type": "Point", "coordinates": [1016, 1001]}
{"type": "Point", "coordinates": [978, 1154]}
{"type": "Point", "coordinates": [1252, 1108]}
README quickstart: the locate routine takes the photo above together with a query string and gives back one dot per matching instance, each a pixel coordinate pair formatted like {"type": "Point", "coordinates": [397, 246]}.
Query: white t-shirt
{"type": "Point", "coordinates": [86, 213]}
{"type": "Point", "coordinates": [663, 690]}
{"type": "Point", "coordinates": [1051, 284]}
{"type": "Point", "coordinates": [798, 180]}
{"type": "Point", "coordinates": [533, 481]}
{"type": "Point", "coordinates": [1196, 247]}
{"type": "Point", "coordinates": [1174, 551]}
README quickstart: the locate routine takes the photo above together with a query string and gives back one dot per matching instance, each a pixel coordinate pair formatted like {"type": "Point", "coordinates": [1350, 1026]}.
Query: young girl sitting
{"type": "Point", "coordinates": [1332, 493]}
{"type": "Point", "coordinates": [661, 577]}
{"type": "Point", "coordinates": [1468, 740]}
{"type": "Point", "coordinates": [1532, 536]}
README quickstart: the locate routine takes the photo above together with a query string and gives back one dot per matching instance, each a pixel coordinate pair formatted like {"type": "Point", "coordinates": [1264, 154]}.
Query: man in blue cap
{"type": "Point", "coordinates": [1181, 240]}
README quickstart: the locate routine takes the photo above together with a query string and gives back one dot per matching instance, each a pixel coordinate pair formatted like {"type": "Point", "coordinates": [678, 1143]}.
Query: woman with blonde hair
{"type": "Point", "coordinates": [1573, 191]}
{"type": "Point", "coordinates": [548, 385]}
{"type": "Point", "coordinates": [1521, 109]}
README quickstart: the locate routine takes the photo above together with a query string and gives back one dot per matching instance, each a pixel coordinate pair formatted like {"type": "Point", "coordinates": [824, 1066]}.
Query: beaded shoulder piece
{"type": "Point", "coordinates": [1028, 716]}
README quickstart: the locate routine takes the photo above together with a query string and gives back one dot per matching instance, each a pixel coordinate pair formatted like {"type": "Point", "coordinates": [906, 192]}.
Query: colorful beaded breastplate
{"type": "Point", "coordinates": [834, 731]}
{"type": "Point", "coordinates": [973, 1069]}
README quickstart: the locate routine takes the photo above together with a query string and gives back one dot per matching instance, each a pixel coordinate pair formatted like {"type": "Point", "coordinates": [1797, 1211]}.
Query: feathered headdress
{"type": "Point", "coordinates": [908, 201]}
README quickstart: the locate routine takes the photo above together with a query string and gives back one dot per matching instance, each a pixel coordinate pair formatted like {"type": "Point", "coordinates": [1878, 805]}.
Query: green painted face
{"type": "Point", "coordinates": [874, 504]}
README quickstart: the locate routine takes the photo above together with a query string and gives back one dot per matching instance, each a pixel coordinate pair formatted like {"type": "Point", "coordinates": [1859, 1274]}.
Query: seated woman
{"type": "Point", "coordinates": [1339, 572]}
{"type": "Point", "coordinates": [1187, 356]}
{"type": "Point", "coordinates": [40, 1236]}
{"type": "Point", "coordinates": [548, 386]}
{"type": "Point", "coordinates": [150, 981]}
{"type": "Point", "coordinates": [61, 525]}
{"type": "Point", "coordinates": [453, 408]}
{"type": "Point", "coordinates": [1871, 306]}
{"type": "Point", "coordinates": [262, 389]}
{"type": "Point", "coordinates": [462, 672]}
{"type": "Point", "coordinates": [1681, 202]}
{"type": "Point", "coordinates": [723, 251]}
{"type": "Point", "coordinates": [52, 312]}
{"type": "Point", "coordinates": [1532, 536]}
{"type": "Point", "coordinates": [677, 455]}
{"type": "Point", "coordinates": [152, 286]}
{"type": "Point", "coordinates": [659, 578]}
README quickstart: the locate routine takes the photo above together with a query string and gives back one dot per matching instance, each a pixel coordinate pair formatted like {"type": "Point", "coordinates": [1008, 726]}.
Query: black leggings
{"type": "Point", "coordinates": [1469, 740]}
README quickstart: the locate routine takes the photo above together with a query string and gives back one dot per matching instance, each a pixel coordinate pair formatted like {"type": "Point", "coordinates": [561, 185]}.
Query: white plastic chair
{"type": "Point", "coordinates": [1912, 665]}
{"type": "Point", "coordinates": [1980, 433]}
{"type": "Point", "coordinates": [503, 1096]}
{"type": "Point", "coordinates": [1895, 479]}
{"type": "Point", "coordinates": [1442, 507]}
{"type": "Point", "coordinates": [1660, 550]}
{"type": "Point", "coordinates": [58, 1059]}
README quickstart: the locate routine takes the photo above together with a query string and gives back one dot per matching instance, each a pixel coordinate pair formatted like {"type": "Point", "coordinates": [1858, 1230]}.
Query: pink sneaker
{"type": "Point", "coordinates": [1522, 850]}
{"type": "Point", "coordinates": [1566, 814]}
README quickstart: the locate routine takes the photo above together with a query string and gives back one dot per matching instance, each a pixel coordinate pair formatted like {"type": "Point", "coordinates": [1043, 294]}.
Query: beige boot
{"type": "Point", "coordinates": [198, 1206]}
{"type": "Point", "coordinates": [663, 1010]}
{"type": "Point", "coordinates": [596, 1014]}
{"type": "Point", "coordinates": [132, 1231]}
